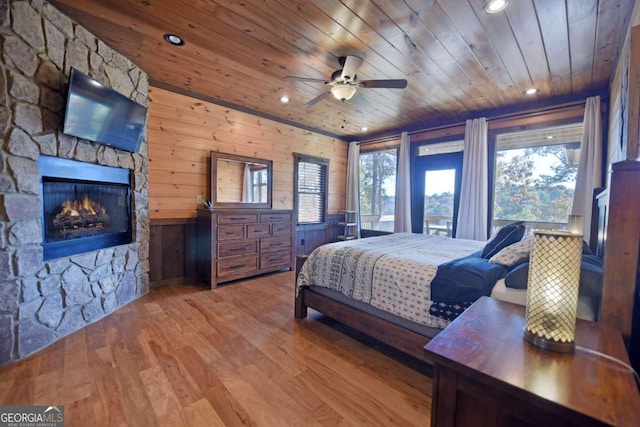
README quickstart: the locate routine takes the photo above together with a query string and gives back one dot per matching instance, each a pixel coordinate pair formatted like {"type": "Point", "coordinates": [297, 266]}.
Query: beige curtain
{"type": "Point", "coordinates": [590, 166]}
{"type": "Point", "coordinates": [247, 187]}
{"type": "Point", "coordinates": [353, 182]}
{"type": "Point", "coordinates": [474, 194]}
{"type": "Point", "coordinates": [402, 220]}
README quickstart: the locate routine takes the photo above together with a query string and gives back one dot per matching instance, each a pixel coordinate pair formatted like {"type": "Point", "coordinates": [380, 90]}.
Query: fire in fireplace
{"type": "Point", "coordinates": [85, 206]}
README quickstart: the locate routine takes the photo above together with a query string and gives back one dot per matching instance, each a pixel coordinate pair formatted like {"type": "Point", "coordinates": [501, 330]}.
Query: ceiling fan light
{"type": "Point", "coordinates": [495, 6]}
{"type": "Point", "coordinates": [343, 92]}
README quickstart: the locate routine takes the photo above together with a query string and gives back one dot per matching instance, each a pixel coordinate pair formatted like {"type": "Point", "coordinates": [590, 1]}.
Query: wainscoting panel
{"type": "Point", "coordinates": [310, 237]}
{"type": "Point", "coordinates": [172, 251]}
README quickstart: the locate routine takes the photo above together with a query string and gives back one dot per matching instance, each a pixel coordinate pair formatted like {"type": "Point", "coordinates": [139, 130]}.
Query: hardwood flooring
{"type": "Point", "coordinates": [184, 355]}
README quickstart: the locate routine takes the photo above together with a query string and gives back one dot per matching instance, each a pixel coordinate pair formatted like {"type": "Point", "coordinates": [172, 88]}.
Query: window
{"type": "Point", "coordinates": [259, 183]}
{"type": "Point", "coordinates": [378, 189]}
{"type": "Point", "coordinates": [535, 176]}
{"type": "Point", "coordinates": [311, 181]}
{"type": "Point", "coordinates": [436, 188]}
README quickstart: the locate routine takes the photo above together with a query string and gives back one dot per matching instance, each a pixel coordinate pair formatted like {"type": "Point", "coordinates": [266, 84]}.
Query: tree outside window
{"type": "Point", "coordinates": [535, 176]}
{"type": "Point", "coordinates": [377, 189]}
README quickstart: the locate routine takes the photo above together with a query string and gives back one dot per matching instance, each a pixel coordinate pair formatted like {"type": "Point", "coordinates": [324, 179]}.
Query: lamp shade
{"type": "Point", "coordinates": [343, 92]}
{"type": "Point", "coordinates": [552, 290]}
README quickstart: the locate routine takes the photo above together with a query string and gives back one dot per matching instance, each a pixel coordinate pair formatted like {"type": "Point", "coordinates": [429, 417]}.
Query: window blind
{"type": "Point", "coordinates": [312, 191]}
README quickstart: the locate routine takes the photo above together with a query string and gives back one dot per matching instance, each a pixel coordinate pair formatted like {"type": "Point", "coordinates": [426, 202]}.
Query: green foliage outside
{"type": "Point", "coordinates": [521, 195]}
{"type": "Point", "coordinates": [438, 205]}
{"type": "Point", "coordinates": [375, 168]}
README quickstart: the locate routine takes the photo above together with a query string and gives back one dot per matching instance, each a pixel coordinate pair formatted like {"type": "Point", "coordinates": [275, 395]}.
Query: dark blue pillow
{"type": "Point", "coordinates": [518, 277]}
{"type": "Point", "coordinates": [507, 235]}
{"type": "Point", "coordinates": [590, 277]}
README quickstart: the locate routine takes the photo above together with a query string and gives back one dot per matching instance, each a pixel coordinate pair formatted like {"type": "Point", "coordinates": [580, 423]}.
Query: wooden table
{"type": "Point", "coordinates": [486, 374]}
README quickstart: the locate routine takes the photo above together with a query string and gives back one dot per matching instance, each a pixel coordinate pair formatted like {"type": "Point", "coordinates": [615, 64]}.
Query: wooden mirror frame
{"type": "Point", "coordinates": [215, 156]}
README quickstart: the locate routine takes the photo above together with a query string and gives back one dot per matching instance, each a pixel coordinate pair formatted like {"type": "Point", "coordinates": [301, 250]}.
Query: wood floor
{"type": "Point", "coordinates": [184, 355]}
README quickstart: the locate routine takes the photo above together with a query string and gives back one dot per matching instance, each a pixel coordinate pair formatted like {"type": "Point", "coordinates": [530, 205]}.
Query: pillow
{"type": "Point", "coordinates": [514, 254]}
{"type": "Point", "coordinates": [507, 235]}
{"type": "Point", "coordinates": [518, 277]}
{"type": "Point", "coordinates": [590, 277]}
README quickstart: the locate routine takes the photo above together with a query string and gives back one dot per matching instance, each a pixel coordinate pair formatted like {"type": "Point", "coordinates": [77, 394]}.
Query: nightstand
{"type": "Point", "coordinates": [486, 374]}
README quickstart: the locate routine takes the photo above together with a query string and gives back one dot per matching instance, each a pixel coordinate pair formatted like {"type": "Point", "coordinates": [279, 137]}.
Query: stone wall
{"type": "Point", "coordinates": [40, 302]}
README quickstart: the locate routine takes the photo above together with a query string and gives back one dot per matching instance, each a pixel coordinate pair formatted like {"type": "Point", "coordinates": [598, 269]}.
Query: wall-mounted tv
{"type": "Point", "coordinates": [98, 113]}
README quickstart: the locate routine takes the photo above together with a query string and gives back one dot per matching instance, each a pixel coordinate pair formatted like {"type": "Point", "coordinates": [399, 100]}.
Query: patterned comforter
{"type": "Point", "coordinates": [392, 272]}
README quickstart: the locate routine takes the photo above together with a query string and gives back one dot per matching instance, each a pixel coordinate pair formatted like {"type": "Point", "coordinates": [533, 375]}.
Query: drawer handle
{"type": "Point", "coordinates": [237, 249]}
{"type": "Point", "coordinates": [234, 267]}
{"type": "Point", "coordinates": [275, 244]}
{"type": "Point", "coordinates": [238, 218]}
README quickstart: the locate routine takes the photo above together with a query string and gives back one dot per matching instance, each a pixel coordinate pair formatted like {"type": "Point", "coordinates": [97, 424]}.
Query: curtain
{"type": "Point", "coordinates": [474, 194]}
{"type": "Point", "coordinates": [353, 183]}
{"type": "Point", "coordinates": [247, 194]}
{"type": "Point", "coordinates": [402, 221]}
{"type": "Point", "coordinates": [590, 166]}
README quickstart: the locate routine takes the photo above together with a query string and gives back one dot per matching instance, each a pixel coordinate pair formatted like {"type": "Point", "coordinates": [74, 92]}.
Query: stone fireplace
{"type": "Point", "coordinates": [84, 206]}
{"type": "Point", "coordinates": [47, 290]}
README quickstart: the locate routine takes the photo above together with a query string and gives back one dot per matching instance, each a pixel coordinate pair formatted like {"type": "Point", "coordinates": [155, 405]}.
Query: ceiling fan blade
{"type": "Point", "coordinates": [350, 68]}
{"type": "Point", "coordinates": [317, 99]}
{"type": "Point", "coordinates": [388, 84]}
{"type": "Point", "coordinates": [304, 79]}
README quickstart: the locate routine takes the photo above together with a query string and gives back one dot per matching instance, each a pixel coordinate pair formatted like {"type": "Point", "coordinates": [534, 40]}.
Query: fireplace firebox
{"type": "Point", "coordinates": [85, 207]}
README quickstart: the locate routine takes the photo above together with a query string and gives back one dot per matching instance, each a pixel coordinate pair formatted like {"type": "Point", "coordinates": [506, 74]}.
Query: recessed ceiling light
{"type": "Point", "coordinates": [284, 99]}
{"type": "Point", "coordinates": [530, 91]}
{"type": "Point", "coordinates": [495, 6]}
{"type": "Point", "coordinates": [549, 136]}
{"type": "Point", "coordinates": [364, 128]}
{"type": "Point", "coordinates": [173, 39]}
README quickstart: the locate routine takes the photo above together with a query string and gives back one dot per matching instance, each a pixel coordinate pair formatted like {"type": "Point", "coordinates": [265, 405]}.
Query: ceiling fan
{"type": "Point", "coordinates": [344, 82]}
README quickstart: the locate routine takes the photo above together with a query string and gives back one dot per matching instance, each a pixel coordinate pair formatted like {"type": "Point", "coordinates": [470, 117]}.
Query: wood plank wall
{"type": "Point", "coordinates": [184, 130]}
{"type": "Point", "coordinates": [182, 133]}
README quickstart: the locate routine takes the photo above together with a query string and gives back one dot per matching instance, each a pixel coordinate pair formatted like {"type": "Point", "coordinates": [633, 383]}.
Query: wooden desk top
{"type": "Point", "coordinates": [486, 343]}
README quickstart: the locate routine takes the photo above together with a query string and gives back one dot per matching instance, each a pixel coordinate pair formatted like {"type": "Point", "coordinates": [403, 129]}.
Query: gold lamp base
{"type": "Point", "coordinates": [557, 346]}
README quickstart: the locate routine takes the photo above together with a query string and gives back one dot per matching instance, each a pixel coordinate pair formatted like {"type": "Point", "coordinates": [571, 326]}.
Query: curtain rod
{"type": "Point", "coordinates": [500, 117]}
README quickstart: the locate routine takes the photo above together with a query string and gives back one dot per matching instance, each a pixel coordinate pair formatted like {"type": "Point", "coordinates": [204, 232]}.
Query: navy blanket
{"type": "Point", "coordinates": [465, 279]}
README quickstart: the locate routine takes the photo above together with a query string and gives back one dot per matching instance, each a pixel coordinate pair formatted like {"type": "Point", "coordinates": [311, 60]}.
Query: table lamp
{"type": "Point", "coordinates": [552, 290]}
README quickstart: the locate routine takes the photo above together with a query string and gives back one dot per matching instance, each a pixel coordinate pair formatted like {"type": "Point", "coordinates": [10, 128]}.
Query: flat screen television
{"type": "Point", "coordinates": [98, 113]}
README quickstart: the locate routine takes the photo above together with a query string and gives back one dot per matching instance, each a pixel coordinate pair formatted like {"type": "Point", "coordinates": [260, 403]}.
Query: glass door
{"type": "Point", "coordinates": [437, 193]}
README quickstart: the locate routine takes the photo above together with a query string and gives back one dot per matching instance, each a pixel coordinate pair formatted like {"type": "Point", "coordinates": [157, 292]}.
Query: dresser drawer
{"type": "Point", "coordinates": [281, 229]}
{"type": "Point", "coordinates": [275, 217]}
{"type": "Point", "coordinates": [275, 259]}
{"type": "Point", "coordinates": [229, 267]}
{"type": "Point", "coordinates": [237, 218]}
{"type": "Point", "coordinates": [226, 232]}
{"type": "Point", "coordinates": [275, 244]}
{"type": "Point", "coordinates": [244, 247]}
{"type": "Point", "coordinates": [258, 230]}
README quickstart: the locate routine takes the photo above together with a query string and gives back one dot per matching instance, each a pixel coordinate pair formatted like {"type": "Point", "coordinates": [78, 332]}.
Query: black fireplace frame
{"type": "Point", "coordinates": [82, 172]}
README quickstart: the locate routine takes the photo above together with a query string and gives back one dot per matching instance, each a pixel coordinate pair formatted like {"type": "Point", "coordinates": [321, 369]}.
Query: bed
{"type": "Point", "coordinates": [398, 313]}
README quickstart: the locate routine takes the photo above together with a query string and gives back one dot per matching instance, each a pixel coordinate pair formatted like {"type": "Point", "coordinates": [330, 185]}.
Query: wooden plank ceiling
{"type": "Point", "coordinates": [458, 60]}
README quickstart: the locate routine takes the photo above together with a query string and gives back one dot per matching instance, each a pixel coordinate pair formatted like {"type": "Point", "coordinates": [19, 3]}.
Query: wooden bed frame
{"type": "Point", "coordinates": [616, 220]}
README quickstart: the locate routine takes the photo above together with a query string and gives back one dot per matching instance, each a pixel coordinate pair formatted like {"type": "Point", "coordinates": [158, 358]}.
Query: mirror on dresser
{"type": "Point", "coordinates": [239, 182]}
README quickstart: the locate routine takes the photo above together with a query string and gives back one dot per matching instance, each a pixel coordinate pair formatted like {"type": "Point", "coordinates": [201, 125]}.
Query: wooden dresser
{"type": "Point", "coordinates": [234, 244]}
